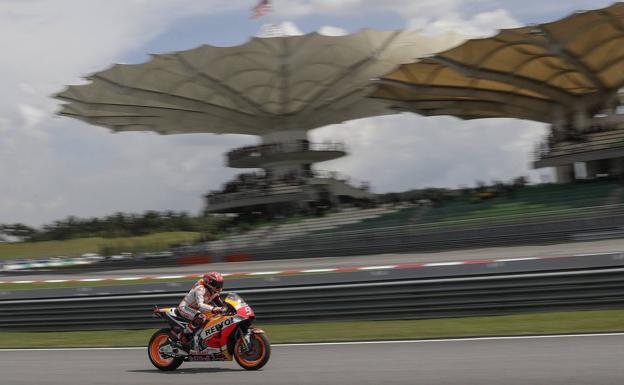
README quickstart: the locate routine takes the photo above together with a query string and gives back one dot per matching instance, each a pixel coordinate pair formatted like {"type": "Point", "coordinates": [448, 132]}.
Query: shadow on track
{"type": "Point", "coordinates": [187, 371]}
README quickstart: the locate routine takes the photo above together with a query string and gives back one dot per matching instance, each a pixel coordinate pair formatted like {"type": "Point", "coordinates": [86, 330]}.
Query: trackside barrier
{"type": "Point", "coordinates": [237, 258]}
{"type": "Point", "coordinates": [194, 259]}
{"type": "Point", "coordinates": [405, 299]}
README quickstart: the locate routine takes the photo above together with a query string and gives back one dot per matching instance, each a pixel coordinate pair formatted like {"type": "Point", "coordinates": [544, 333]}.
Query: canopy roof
{"type": "Point", "coordinates": [574, 63]}
{"type": "Point", "coordinates": [267, 84]}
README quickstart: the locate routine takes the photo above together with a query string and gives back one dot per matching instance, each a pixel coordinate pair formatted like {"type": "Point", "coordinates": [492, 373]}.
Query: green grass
{"type": "Point", "coordinates": [526, 324]}
{"type": "Point", "coordinates": [25, 250]}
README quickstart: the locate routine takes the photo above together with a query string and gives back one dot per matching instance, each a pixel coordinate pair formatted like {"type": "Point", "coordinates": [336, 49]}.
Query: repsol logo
{"type": "Point", "coordinates": [218, 327]}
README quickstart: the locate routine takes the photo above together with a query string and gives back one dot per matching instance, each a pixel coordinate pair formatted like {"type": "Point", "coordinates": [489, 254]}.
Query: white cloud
{"type": "Point", "coordinates": [329, 30]}
{"type": "Point", "coordinates": [285, 28]}
{"type": "Point", "coordinates": [482, 24]}
{"type": "Point", "coordinates": [31, 116]}
{"type": "Point", "coordinates": [430, 16]}
{"type": "Point", "coordinates": [47, 44]}
{"type": "Point", "coordinates": [406, 151]}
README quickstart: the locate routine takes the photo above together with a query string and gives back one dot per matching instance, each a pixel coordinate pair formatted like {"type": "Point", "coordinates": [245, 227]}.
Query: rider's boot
{"type": "Point", "coordinates": [185, 341]}
{"type": "Point", "coordinates": [187, 335]}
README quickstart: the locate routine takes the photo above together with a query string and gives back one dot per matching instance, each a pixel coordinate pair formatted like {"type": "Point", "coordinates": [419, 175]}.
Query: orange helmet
{"type": "Point", "coordinates": [213, 281]}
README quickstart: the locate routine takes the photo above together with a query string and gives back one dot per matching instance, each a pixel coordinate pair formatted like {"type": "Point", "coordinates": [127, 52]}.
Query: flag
{"type": "Point", "coordinates": [261, 9]}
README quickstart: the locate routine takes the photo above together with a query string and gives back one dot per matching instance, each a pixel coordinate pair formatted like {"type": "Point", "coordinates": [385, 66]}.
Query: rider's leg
{"type": "Point", "coordinates": [189, 313]}
{"type": "Point", "coordinates": [186, 337]}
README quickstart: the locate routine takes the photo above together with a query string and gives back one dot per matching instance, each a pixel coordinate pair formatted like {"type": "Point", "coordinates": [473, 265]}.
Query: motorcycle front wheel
{"type": "Point", "coordinates": [256, 356]}
{"type": "Point", "coordinates": [161, 338]}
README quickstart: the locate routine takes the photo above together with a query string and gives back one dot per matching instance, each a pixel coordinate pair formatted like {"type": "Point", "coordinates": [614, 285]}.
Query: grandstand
{"type": "Point", "coordinates": [270, 234]}
{"type": "Point", "coordinates": [526, 201]}
{"type": "Point", "coordinates": [529, 204]}
{"type": "Point", "coordinates": [601, 151]}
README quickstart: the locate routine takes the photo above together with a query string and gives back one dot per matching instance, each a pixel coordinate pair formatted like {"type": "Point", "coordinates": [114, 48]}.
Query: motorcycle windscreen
{"type": "Point", "coordinates": [235, 300]}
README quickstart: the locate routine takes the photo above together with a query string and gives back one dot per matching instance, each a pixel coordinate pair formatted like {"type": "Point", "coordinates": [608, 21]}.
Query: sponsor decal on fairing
{"type": "Point", "coordinates": [220, 326]}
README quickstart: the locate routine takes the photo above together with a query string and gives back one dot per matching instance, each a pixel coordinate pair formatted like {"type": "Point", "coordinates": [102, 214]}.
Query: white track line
{"type": "Point", "coordinates": [320, 270]}
{"type": "Point", "coordinates": [432, 264]}
{"type": "Point", "coordinates": [469, 339]}
{"type": "Point", "coordinates": [517, 259]}
{"type": "Point", "coordinates": [387, 267]}
{"type": "Point", "coordinates": [169, 277]}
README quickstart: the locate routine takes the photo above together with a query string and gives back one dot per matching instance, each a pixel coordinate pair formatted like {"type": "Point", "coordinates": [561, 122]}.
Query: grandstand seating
{"type": "Point", "coordinates": [593, 142]}
{"type": "Point", "coordinates": [530, 199]}
{"type": "Point", "coordinates": [400, 215]}
{"type": "Point", "coordinates": [269, 234]}
{"type": "Point", "coordinates": [530, 203]}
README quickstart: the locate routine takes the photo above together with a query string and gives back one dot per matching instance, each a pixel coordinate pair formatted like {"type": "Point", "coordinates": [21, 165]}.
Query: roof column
{"type": "Point", "coordinates": [287, 140]}
{"type": "Point", "coordinates": [559, 126]}
{"type": "Point", "coordinates": [581, 120]}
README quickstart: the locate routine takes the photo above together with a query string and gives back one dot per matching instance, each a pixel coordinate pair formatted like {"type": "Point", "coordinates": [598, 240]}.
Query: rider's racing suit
{"type": "Point", "coordinates": [192, 307]}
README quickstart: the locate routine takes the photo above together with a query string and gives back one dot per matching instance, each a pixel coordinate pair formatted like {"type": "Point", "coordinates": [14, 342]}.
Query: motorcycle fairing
{"type": "Point", "coordinates": [214, 337]}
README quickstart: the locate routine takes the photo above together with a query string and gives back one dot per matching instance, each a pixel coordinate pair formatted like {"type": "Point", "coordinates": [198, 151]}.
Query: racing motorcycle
{"type": "Point", "coordinates": [223, 338]}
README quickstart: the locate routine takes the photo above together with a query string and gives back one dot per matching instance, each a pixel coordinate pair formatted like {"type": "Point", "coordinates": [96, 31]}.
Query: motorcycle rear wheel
{"type": "Point", "coordinates": [258, 354]}
{"type": "Point", "coordinates": [160, 338]}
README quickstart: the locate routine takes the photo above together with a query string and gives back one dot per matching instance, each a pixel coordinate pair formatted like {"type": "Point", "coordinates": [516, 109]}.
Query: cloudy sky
{"type": "Point", "coordinates": [52, 167]}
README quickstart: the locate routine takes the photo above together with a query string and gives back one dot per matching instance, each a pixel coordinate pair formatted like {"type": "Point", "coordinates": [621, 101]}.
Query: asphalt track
{"type": "Point", "coordinates": [589, 359]}
{"type": "Point", "coordinates": [562, 249]}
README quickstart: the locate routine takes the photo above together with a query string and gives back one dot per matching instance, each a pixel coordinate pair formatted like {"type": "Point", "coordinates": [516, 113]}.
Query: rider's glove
{"type": "Point", "coordinates": [218, 310]}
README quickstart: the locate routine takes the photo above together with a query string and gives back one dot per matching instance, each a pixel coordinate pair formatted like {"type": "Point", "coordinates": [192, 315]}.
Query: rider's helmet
{"type": "Point", "coordinates": [213, 281]}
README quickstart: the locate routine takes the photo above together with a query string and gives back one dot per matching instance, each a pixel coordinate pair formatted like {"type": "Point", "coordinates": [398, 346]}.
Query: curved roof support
{"type": "Point", "coordinates": [474, 106]}
{"type": "Point", "coordinates": [518, 81]}
{"type": "Point", "coordinates": [160, 97]}
{"type": "Point", "coordinates": [556, 47]}
{"type": "Point", "coordinates": [372, 58]}
{"type": "Point", "coordinates": [284, 75]}
{"type": "Point", "coordinates": [614, 20]}
{"type": "Point", "coordinates": [235, 96]}
{"type": "Point", "coordinates": [468, 114]}
{"type": "Point", "coordinates": [169, 113]}
{"type": "Point", "coordinates": [544, 106]}
{"type": "Point", "coordinates": [158, 124]}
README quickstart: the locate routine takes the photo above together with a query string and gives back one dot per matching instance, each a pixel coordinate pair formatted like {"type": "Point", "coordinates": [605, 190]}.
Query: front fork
{"type": "Point", "coordinates": [246, 337]}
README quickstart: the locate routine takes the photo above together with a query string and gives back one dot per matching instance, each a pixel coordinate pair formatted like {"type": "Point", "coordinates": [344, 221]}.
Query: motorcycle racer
{"type": "Point", "coordinates": [203, 297]}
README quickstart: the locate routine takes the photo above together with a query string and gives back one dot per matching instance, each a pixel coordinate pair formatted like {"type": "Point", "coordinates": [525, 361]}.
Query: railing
{"type": "Point", "coordinates": [362, 185]}
{"type": "Point", "coordinates": [572, 142]}
{"type": "Point", "coordinates": [264, 186]}
{"type": "Point", "coordinates": [406, 299]}
{"type": "Point", "coordinates": [277, 148]}
{"type": "Point", "coordinates": [267, 190]}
